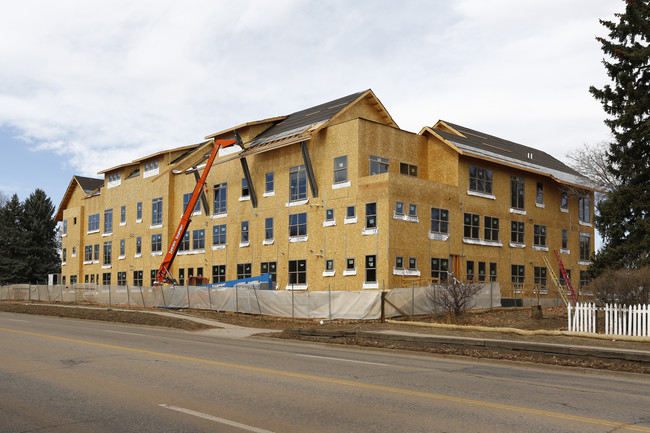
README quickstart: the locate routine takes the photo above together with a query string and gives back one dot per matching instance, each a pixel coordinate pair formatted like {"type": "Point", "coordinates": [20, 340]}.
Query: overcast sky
{"type": "Point", "coordinates": [86, 85]}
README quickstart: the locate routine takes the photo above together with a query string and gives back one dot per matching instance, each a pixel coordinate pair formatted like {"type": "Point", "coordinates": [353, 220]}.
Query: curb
{"type": "Point", "coordinates": [484, 343]}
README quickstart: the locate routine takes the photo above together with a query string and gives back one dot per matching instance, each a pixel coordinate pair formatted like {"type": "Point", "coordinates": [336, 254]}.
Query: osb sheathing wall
{"type": "Point", "coordinates": [442, 182]}
{"type": "Point", "coordinates": [547, 213]}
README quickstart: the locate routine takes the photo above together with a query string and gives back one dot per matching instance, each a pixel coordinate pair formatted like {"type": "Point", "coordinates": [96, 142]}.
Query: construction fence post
{"type": "Point", "coordinates": [329, 294]}
{"type": "Point", "coordinates": [259, 307]}
{"type": "Point", "coordinates": [412, 299]}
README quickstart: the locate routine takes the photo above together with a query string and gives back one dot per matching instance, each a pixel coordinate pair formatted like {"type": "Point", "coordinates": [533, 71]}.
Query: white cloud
{"type": "Point", "coordinates": [106, 82]}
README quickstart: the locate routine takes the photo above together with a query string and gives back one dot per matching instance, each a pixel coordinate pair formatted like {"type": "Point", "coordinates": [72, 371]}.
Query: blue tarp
{"type": "Point", "coordinates": [263, 282]}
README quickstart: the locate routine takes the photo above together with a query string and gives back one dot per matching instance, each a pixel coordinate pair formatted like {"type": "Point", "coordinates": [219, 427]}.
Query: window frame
{"type": "Point", "coordinates": [297, 276]}
{"type": "Point", "coordinates": [490, 232]}
{"type": "Point", "coordinates": [298, 224]}
{"type": "Point", "coordinates": [219, 232]}
{"type": "Point", "coordinates": [539, 196]}
{"type": "Point", "coordinates": [518, 274]}
{"type": "Point", "coordinates": [270, 268]}
{"type": "Point", "coordinates": [540, 279]}
{"type": "Point", "coordinates": [107, 253]}
{"type": "Point", "coordinates": [298, 183]}
{"type": "Point", "coordinates": [268, 229]}
{"type": "Point", "coordinates": [480, 179]}
{"type": "Point", "coordinates": [371, 215]}
{"type": "Point", "coordinates": [244, 270]}
{"type": "Point", "coordinates": [156, 242]}
{"type": "Point", "coordinates": [439, 221]}
{"type": "Point", "coordinates": [413, 210]}
{"type": "Point", "coordinates": [218, 273]}
{"type": "Point", "coordinates": [470, 229]}
{"type": "Point", "coordinates": [340, 173]}
{"type": "Point", "coordinates": [440, 272]}
{"type": "Point", "coordinates": [108, 221]}
{"type": "Point", "coordinates": [378, 165]}
{"type": "Point", "coordinates": [269, 182]}
{"type": "Point", "coordinates": [518, 229]}
{"type": "Point", "coordinates": [198, 239]}
{"type": "Point", "coordinates": [517, 192]}
{"type": "Point", "coordinates": [93, 222]}
{"type": "Point", "coordinates": [220, 198]}
{"type": "Point", "coordinates": [584, 246]}
{"type": "Point", "coordinates": [408, 169]}
{"type": "Point", "coordinates": [371, 268]}
{"type": "Point", "coordinates": [245, 235]}
{"type": "Point", "coordinates": [584, 208]}
{"type": "Point", "coordinates": [245, 189]}
{"type": "Point", "coordinates": [156, 211]}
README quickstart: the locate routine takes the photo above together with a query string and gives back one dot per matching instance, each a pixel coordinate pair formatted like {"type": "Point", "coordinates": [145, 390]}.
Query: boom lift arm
{"type": "Point", "coordinates": [164, 275]}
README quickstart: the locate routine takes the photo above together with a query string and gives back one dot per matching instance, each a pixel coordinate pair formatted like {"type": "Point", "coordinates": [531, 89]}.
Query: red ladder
{"type": "Point", "coordinates": [567, 280]}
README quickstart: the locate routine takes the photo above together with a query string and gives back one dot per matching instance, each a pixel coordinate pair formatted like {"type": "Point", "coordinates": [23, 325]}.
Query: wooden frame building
{"type": "Point", "coordinates": [336, 196]}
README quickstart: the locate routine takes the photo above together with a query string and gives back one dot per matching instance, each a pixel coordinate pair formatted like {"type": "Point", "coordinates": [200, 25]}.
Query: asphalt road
{"type": "Point", "coordinates": [65, 375]}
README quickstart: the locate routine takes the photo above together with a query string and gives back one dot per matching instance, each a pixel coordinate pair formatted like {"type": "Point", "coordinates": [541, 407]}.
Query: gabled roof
{"type": "Point", "coordinates": [301, 120]}
{"type": "Point", "coordinates": [303, 124]}
{"type": "Point", "coordinates": [481, 145]}
{"type": "Point", "coordinates": [87, 184]}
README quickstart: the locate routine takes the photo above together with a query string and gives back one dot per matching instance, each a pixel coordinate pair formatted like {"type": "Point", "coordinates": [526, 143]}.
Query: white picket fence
{"type": "Point", "coordinates": [583, 318]}
{"type": "Point", "coordinates": [633, 320]}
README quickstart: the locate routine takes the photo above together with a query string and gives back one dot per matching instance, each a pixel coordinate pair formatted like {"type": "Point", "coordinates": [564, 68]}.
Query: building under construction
{"type": "Point", "coordinates": [337, 196]}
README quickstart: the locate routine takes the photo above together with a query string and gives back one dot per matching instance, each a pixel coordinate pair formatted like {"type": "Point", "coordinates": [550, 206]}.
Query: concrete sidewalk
{"type": "Point", "coordinates": [410, 339]}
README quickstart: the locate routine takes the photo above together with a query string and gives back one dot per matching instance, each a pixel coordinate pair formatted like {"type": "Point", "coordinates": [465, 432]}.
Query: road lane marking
{"type": "Point", "coordinates": [19, 320]}
{"type": "Point", "coordinates": [343, 382]}
{"type": "Point", "coordinates": [215, 419]}
{"type": "Point", "coordinates": [341, 359]}
{"type": "Point", "coordinates": [127, 333]}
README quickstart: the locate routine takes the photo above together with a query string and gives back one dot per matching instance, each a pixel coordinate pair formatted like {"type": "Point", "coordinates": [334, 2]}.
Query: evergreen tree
{"type": "Point", "coordinates": [624, 216]}
{"type": "Point", "coordinates": [40, 237]}
{"type": "Point", "coordinates": [13, 268]}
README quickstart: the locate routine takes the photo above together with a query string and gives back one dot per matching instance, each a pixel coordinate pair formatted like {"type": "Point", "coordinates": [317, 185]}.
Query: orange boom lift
{"type": "Point", "coordinates": [164, 275]}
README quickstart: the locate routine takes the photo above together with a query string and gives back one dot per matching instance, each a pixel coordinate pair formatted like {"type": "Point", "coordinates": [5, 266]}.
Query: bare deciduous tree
{"type": "Point", "coordinates": [623, 286]}
{"type": "Point", "coordinates": [592, 162]}
{"type": "Point", "coordinates": [454, 297]}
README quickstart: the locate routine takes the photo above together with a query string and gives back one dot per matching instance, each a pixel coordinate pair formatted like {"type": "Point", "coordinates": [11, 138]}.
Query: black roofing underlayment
{"type": "Point", "coordinates": [489, 143]}
{"type": "Point", "coordinates": [89, 184]}
{"type": "Point", "coordinates": [309, 116]}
